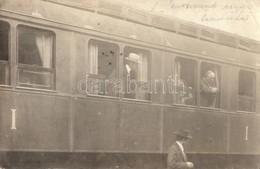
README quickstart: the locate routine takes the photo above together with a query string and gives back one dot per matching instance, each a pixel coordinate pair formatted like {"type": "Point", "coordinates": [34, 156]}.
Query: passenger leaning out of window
{"type": "Point", "coordinates": [209, 89]}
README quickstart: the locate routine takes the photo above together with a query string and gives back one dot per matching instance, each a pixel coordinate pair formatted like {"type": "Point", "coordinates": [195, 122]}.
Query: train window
{"type": "Point", "coordinates": [35, 58]}
{"type": "Point", "coordinates": [136, 73]}
{"type": "Point", "coordinates": [102, 67]}
{"type": "Point", "coordinates": [185, 81]}
{"type": "Point", "coordinates": [246, 91]}
{"type": "Point", "coordinates": [4, 64]}
{"type": "Point", "coordinates": [209, 85]}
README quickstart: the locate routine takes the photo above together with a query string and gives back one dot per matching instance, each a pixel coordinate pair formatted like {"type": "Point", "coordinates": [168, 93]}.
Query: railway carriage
{"type": "Point", "coordinates": [100, 85]}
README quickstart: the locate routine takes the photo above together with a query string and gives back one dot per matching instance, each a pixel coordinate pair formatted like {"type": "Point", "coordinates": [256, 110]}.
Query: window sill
{"type": "Point", "coordinates": [34, 67]}
{"type": "Point", "coordinates": [35, 89]}
{"type": "Point", "coordinates": [2, 86]}
{"type": "Point", "coordinates": [101, 96]}
{"type": "Point", "coordinates": [246, 112]}
{"type": "Point", "coordinates": [185, 105]}
{"type": "Point", "coordinates": [195, 106]}
{"type": "Point", "coordinates": [210, 108]}
{"type": "Point", "coordinates": [137, 100]}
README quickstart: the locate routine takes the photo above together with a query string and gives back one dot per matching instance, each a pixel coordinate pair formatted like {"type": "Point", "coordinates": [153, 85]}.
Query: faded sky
{"type": "Point", "coordinates": [240, 17]}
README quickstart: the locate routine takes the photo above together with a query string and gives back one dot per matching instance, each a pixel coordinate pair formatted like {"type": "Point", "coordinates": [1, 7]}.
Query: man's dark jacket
{"type": "Point", "coordinates": [176, 158]}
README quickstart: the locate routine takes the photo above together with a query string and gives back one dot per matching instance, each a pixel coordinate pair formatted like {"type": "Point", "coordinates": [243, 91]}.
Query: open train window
{"type": "Point", "coordinates": [4, 53]}
{"type": "Point", "coordinates": [35, 58]}
{"type": "Point", "coordinates": [185, 81]}
{"type": "Point", "coordinates": [102, 67]}
{"type": "Point", "coordinates": [210, 85]}
{"type": "Point", "coordinates": [136, 73]}
{"type": "Point", "coordinates": [246, 91]}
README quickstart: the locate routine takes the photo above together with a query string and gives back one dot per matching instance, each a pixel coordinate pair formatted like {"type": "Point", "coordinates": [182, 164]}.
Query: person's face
{"type": "Point", "coordinates": [211, 76]}
{"type": "Point", "coordinates": [184, 141]}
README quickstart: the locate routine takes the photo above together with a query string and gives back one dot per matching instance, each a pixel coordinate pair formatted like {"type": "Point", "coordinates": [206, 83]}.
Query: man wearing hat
{"type": "Point", "coordinates": [177, 158]}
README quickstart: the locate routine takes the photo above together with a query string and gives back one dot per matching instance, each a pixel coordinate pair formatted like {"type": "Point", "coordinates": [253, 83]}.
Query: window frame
{"type": "Point", "coordinates": [98, 40]}
{"type": "Point", "coordinates": [199, 83]}
{"type": "Point", "coordinates": [24, 66]}
{"type": "Point", "coordinates": [149, 67]}
{"type": "Point", "coordinates": [195, 82]}
{"type": "Point", "coordinates": [7, 63]}
{"type": "Point", "coordinates": [254, 92]}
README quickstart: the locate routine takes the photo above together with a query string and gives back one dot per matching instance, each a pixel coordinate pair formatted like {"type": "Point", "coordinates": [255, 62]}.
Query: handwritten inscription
{"type": "Point", "coordinates": [234, 6]}
{"type": "Point", "coordinates": [237, 16]}
{"type": "Point", "coordinates": [217, 12]}
{"type": "Point", "coordinates": [189, 5]}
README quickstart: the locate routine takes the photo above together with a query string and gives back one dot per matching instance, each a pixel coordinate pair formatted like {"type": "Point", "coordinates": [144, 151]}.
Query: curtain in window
{"type": "Point", "coordinates": [177, 71]}
{"type": "Point", "coordinates": [44, 45]}
{"type": "Point", "coordinates": [215, 103]}
{"type": "Point", "coordinates": [177, 74]}
{"type": "Point", "coordinates": [93, 59]}
{"type": "Point", "coordinates": [141, 61]}
{"type": "Point", "coordinates": [143, 68]}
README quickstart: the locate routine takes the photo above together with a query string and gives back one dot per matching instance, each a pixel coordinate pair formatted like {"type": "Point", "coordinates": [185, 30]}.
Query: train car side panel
{"type": "Point", "coordinates": [140, 128]}
{"type": "Point", "coordinates": [174, 119]}
{"type": "Point", "coordinates": [110, 126]}
{"type": "Point", "coordinates": [209, 129]}
{"type": "Point", "coordinates": [243, 134]}
{"type": "Point", "coordinates": [211, 136]}
{"type": "Point", "coordinates": [39, 122]}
